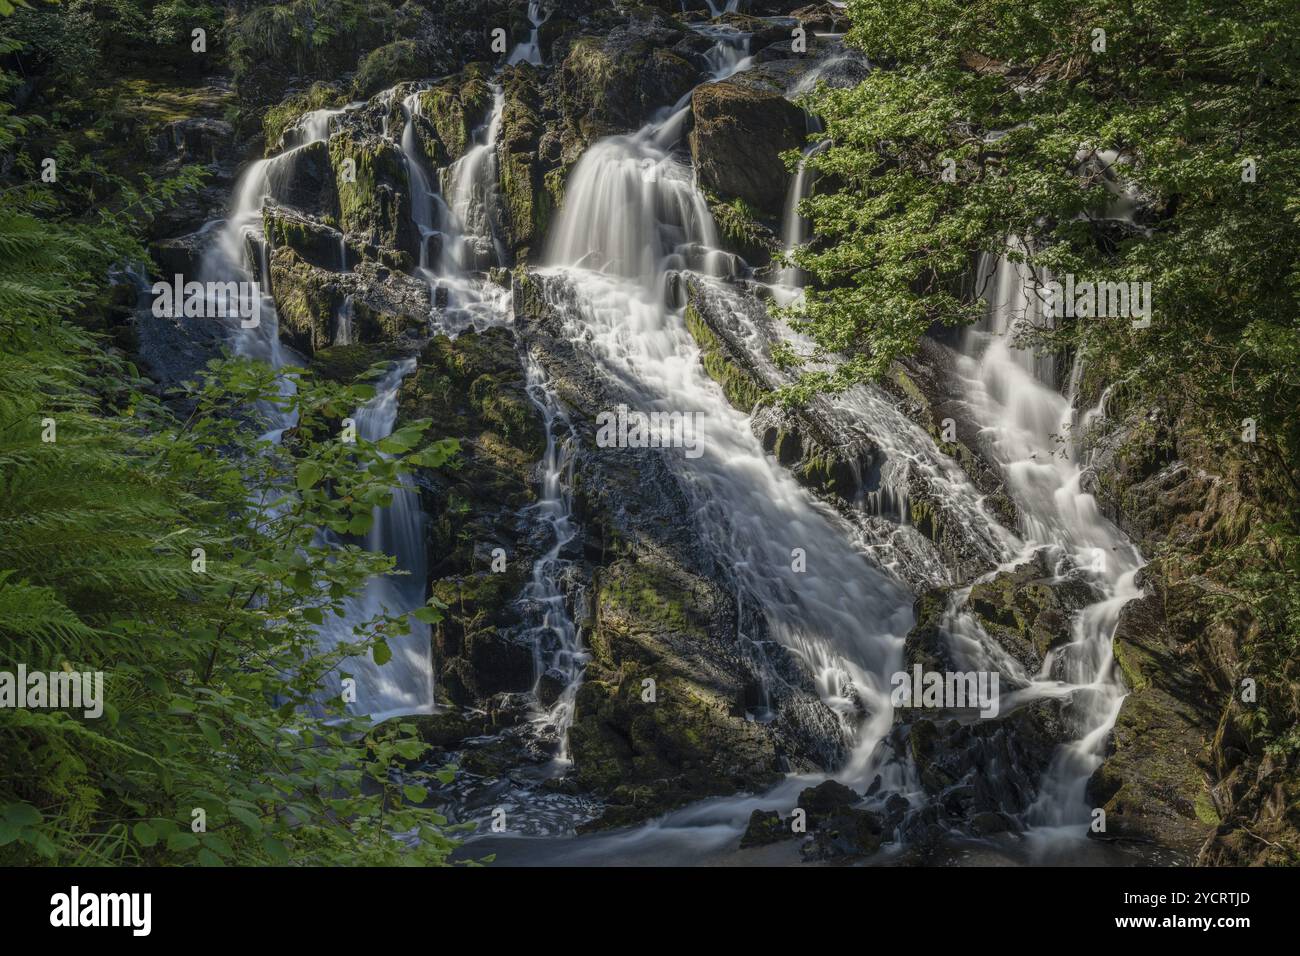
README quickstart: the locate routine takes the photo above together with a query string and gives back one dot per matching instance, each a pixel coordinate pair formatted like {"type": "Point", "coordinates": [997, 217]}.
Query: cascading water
{"type": "Point", "coordinates": [632, 225]}
{"type": "Point", "coordinates": [531, 52]}
{"type": "Point", "coordinates": [1031, 431]}
{"type": "Point", "coordinates": [470, 185]}
{"type": "Point", "coordinates": [461, 298]}
{"type": "Point", "coordinates": [557, 645]}
{"type": "Point", "coordinates": [794, 228]}
{"type": "Point", "coordinates": [404, 684]}
{"type": "Point", "coordinates": [844, 619]}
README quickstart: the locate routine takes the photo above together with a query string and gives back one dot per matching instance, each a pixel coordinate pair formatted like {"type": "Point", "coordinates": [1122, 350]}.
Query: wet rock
{"type": "Point", "coordinates": [386, 305]}
{"type": "Point", "coordinates": [925, 388]}
{"type": "Point", "coordinates": [1153, 783]}
{"type": "Point", "coordinates": [1030, 606]}
{"type": "Point", "coordinates": [550, 686]}
{"type": "Point", "coordinates": [446, 729]}
{"type": "Point", "coordinates": [307, 300]}
{"type": "Point", "coordinates": [346, 363]}
{"type": "Point", "coordinates": [305, 181]}
{"type": "Point", "coordinates": [313, 240]}
{"type": "Point", "coordinates": [765, 828]}
{"type": "Point", "coordinates": [822, 17]}
{"type": "Point", "coordinates": [988, 823]}
{"type": "Point", "coordinates": [985, 765]}
{"type": "Point", "coordinates": [739, 134]}
{"type": "Point", "coordinates": [473, 389]}
{"type": "Point", "coordinates": [613, 82]}
{"type": "Point", "coordinates": [685, 621]}
{"type": "Point", "coordinates": [374, 206]}
{"type": "Point", "coordinates": [456, 108]}
{"type": "Point", "coordinates": [527, 201]}
{"type": "Point", "coordinates": [845, 834]}
{"type": "Point", "coordinates": [826, 799]}
{"type": "Point", "coordinates": [797, 439]}
{"type": "Point", "coordinates": [659, 718]}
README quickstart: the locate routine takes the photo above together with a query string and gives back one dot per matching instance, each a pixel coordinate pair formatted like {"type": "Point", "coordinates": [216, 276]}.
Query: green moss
{"type": "Point", "coordinates": [343, 363]}
{"type": "Point", "coordinates": [1205, 810]}
{"type": "Point", "coordinates": [742, 391]}
{"type": "Point", "coordinates": [457, 107]}
{"type": "Point", "coordinates": [283, 115]}
{"type": "Point", "coordinates": [387, 66]}
{"type": "Point", "coordinates": [638, 593]}
{"type": "Point", "coordinates": [1130, 659]}
{"type": "Point", "coordinates": [305, 300]}
{"type": "Point", "coordinates": [739, 224]}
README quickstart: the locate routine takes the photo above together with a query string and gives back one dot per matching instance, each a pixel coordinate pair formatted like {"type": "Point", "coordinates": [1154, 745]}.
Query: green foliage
{"type": "Point", "coordinates": [313, 37]}
{"type": "Point", "coordinates": [1044, 129]}
{"type": "Point", "coordinates": [1182, 97]}
{"type": "Point", "coordinates": [214, 702]}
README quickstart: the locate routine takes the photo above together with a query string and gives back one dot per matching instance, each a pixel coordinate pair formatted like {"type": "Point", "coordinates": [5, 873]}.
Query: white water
{"type": "Point", "coordinates": [631, 214]}
{"type": "Point", "coordinates": [1030, 430]}
{"type": "Point", "coordinates": [557, 646]}
{"type": "Point", "coordinates": [404, 684]}
{"type": "Point", "coordinates": [531, 52]}
{"type": "Point", "coordinates": [463, 229]}
{"type": "Point", "coordinates": [470, 185]}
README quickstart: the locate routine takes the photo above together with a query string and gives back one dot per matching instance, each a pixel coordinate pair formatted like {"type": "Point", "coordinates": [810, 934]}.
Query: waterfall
{"type": "Point", "coordinates": [423, 199]}
{"type": "Point", "coordinates": [343, 332]}
{"type": "Point", "coordinates": [1009, 392]}
{"type": "Point", "coordinates": [461, 299]}
{"type": "Point", "coordinates": [794, 227]}
{"type": "Point", "coordinates": [632, 213]}
{"type": "Point", "coordinates": [405, 683]}
{"type": "Point", "coordinates": [471, 189]}
{"type": "Point", "coordinates": [531, 52]}
{"type": "Point", "coordinates": [557, 646]}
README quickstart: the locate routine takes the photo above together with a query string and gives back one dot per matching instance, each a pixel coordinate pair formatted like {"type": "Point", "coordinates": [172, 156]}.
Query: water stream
{"type": "Point", "coordinates": [633, 227]}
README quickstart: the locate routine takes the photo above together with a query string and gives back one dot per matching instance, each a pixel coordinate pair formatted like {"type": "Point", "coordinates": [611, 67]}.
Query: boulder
{"type": "Point", "coordinates": [739, 133]}
{"type": "Point", "coordinates": [613, 82]}
{"type": "Point", "coordinates": [822, 18]}
{"type": "Point", "coordinates": [765, 828]}
{"type": "Point", "coordinates": [374, 205]}
{"type": "Point", "coordinates": [659, 718]}
{"type": "Point", "coordinates": [527, 203]}
{"type": "Point", "coordinates": [845, 834]}
{"type": "Point", "coordinates": [456, 108]}
{"type": "Point", "coordinates": [826, 799]}
{"type": "Point", "coordinates": [1153, 783]}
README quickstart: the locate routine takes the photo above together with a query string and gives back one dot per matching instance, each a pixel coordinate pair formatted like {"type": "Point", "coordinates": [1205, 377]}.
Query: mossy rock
{"type": "Point", "coordinates": [346, 363]}
{"type": "Point", "coordinates": [372, 198]}
{"type": "Point", "coordinates": [740, 224]}
{"type": "Point", "coordinates": [742, 389]}
{"type": "Point", "coordinates": [282, 116]}
{"type": "Point", "coordinates": [387, 66]}
{"type": "Point", "coordinates": [457, 107]}
{"type": "Point", "coordinates": [1153, 783]}
{"type": "Point", "coordinates": [307, 300]}
{"type": "Point", "coordinates": [312, 240]}
{"type": "Point", "coordinates": [691, 740]}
